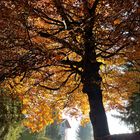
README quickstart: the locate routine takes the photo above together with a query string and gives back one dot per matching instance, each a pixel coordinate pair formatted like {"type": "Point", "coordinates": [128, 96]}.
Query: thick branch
{"type": "Point", "coordinates": [74, 65]}
{"type": "Point", "coordinates": [60, 86]}
{"type": "Point", "coordinates": [93, 9]}
{"type": "Point", "coordinates": [116, 52]}
{"type": "Point", "coordinates": [59, 40]}
{"type": "Point", "coordinates": [71, 62]}
{"type": "Point", "coordinates": [61, 11]}
{"type": "Point", "coordinates": [41, 13]}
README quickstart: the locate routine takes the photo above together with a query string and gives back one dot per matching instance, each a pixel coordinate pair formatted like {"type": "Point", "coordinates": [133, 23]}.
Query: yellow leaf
{"type": "Point", "coordinates": [24, 111]}
{"type": "Point", "coordinates": [25, 101]}
{"type": "Point", "coordinates": [117, 21]}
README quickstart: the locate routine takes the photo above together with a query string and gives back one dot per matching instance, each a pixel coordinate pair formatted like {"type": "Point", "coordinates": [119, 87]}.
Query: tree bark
{"type": "Point", "coordinates": [92, 87]}
{"type": "Point", "coordinates": [91, 80]}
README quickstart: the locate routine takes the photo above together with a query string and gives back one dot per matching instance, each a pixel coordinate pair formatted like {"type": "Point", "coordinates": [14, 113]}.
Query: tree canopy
{"type": "Point", "coordinates": [53, 50]}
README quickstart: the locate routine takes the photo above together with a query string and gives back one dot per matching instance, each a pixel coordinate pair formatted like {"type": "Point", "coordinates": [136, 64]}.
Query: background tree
{"type": "Point", "coordinates": [85, 132]}
{"type": "Point", "coordinates": [50, 132]}
{"type": "Point", "coordinates": [14, 132]}
{"type": "Point", "coordinates": [10, 115]}
{"type": "Point", "coordinates": [62, 44]}
{"type": "Point", "coordinates": [53, 132]}
{"type": "Point", "coordinates": [131, 115]}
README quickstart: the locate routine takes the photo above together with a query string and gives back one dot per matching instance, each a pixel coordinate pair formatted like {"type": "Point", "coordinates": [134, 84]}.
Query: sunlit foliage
{"type": "Point", "coordinates": [51, 51]}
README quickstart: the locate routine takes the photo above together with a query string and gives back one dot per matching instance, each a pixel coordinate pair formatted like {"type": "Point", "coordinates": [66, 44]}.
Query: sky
{"type": "Point", "coordinates": [115, 126]}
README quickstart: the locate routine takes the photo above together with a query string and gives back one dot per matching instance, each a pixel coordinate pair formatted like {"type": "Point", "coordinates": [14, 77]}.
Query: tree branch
{"type": "Point", "coordinates": [59, 40]}
{"type": "Point", "coordinates": [60, 86]}
{"type": "Point", "coordinates": [93, 9]}
{"type": "Point", "coordinates": [118, 50]}
{"type": "Point", "coordinates": [37, 11]}
{"type": "Point", "coordinates": [60, 9]}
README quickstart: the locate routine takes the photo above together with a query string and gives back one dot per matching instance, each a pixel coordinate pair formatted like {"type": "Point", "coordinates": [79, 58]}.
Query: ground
{"type": "Point", "coordinates": [127, 136]}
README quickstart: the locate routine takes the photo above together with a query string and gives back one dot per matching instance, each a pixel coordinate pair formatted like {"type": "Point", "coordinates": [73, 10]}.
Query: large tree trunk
{"type": "Point", "coordinates": [92, 86]}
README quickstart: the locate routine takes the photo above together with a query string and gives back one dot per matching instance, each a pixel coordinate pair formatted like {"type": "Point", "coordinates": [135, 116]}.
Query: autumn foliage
{"type": "Point", "coordinates": [51, 52]}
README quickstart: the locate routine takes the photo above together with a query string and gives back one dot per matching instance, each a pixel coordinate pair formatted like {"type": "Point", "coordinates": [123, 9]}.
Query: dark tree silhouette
{"type": "Point", "coordinates": [131, 114]}
{"type": "Point", "coordinates": [66, 40]}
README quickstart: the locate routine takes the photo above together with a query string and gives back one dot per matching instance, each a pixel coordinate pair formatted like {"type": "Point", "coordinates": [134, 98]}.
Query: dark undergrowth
{"type": "Point", "coordinates": [127, 136]}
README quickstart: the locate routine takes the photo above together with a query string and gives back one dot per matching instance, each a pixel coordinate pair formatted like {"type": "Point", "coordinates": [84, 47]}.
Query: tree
{"type": "Point", "coordinates": [26, 134]}
{"type": "Point", "coordinates": [52, 132]}
{"type": "Point", "coordinates": [85, 132]}
{"type": "Point", "coordinates": [10, 115]}
{"type": "Point", "coordinates": [66, 42]}
{"type": "Point", "coordinates": [14, 132]}
{"type": "Point", "coordinates": [131, 115]}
